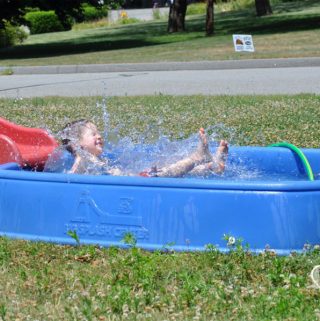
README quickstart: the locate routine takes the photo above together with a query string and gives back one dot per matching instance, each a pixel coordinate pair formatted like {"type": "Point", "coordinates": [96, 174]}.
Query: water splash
{"type": "Point", "coordinates": [133, 157]}
{"type": "Point", "coordinates": [135, 154]}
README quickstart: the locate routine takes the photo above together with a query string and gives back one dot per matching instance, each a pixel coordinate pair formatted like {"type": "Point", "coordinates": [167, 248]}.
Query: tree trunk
{"type": "Point", "coordinates": [263, 7]}
{"type": "Point", "coordinates": [210, 18]}
{"type": "Point", "coordinates": [177, 14]}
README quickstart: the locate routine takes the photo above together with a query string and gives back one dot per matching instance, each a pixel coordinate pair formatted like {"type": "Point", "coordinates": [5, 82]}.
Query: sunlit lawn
{"type": "Point", "coordinates": [292, 31]}
{"type": "Point", "coordinates": [248, 120]}
{"type": "Point", "coordinates": [49, 282]}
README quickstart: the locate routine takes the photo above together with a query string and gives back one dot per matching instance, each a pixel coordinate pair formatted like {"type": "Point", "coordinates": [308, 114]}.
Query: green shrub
{"type": "Point", "coordinates": [126, 21]}
{"type": "Point", "coordinates": [91, 13]}
{"type": "Point", "coordinates": [32, 9]}
{"type": "Point", "coordinates": [115, 4]}
{"type": "Point", "coordinates": [196, 8]}
{"type": "Point", "coordinates": [234, 5]}
{"type": "Point", "coordinates": [45, 21]}
{"type": "Point", "coordinates": [11, 35]}
{"type": "Point", "coordinates": [221, 5]}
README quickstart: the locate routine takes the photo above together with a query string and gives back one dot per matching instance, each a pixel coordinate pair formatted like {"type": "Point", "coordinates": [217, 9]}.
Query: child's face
{"type": "Point", "coordinates": [91, 140]}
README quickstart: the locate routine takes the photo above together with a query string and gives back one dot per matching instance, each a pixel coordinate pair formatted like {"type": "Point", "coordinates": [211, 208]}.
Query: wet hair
{"type": "Point", "coordinates": [71, 134]}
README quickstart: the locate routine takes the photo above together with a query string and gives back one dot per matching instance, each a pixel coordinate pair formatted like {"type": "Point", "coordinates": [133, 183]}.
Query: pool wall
{"type": "Point", "coordinates": [186, 213]}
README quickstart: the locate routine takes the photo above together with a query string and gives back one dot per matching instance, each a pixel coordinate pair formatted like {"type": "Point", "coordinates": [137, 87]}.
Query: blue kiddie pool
{"type": "Point", "coordinates": [186, 213]}
{"type": "Point", "coordinates": [278, 207]}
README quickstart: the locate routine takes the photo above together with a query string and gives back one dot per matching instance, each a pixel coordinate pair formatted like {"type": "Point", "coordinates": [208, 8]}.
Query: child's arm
{"type": "Point", "coordinates": [76, 165]}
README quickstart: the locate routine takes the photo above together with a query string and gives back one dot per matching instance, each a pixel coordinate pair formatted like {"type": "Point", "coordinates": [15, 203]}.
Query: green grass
{"type": "Point", "coordinates": [41, 281]}
{"type": "Point", "coordinates": [246, 120]}
{"type": "Point", "coordinates": [50, 282]}
{"type": "Point", "coordinates": [292, 31]}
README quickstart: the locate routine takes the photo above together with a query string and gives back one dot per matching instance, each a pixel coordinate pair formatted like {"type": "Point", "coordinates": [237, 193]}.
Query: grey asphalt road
{"type": "Point", "coordinates": [268, 77]}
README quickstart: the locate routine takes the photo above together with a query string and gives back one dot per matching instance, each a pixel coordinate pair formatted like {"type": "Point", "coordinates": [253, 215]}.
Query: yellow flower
{"type": "Point", "coordinates": [123, 15]}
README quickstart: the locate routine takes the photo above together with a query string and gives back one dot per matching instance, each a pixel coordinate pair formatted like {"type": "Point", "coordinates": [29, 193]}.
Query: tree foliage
{"type": "Point", "coordinates": [13, 11]}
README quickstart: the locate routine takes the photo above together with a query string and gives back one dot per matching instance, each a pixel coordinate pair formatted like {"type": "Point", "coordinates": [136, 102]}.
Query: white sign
{"type": "Point", "coordinates": [243, 43]}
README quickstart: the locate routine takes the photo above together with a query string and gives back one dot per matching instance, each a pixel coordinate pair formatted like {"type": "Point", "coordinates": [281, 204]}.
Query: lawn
{"type": "Point", "coordinates": [243, 120]}
{"type": "Point", "coordinates": [49, 282]}
{"type": "Point", "coordinates": [292, 31]}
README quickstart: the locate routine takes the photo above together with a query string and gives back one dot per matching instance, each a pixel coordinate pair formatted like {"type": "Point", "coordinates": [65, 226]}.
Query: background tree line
{"type": "Point", "coordinates": [13, 12]}
{"type": "Point", "coordinates": [178, 11]}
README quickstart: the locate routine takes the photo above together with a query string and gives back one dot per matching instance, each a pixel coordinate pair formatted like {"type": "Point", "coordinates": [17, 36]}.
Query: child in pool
{"type": "Point", "coordinates": [83, 140]}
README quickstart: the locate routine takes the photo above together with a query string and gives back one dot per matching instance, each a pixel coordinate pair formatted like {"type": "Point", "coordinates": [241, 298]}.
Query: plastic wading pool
{"type": "Point", "coordinates": [187, 213]}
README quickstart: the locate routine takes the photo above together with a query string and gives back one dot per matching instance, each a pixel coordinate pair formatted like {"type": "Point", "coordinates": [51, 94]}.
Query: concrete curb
{"type": "Point", "coordinates": [166, 66]}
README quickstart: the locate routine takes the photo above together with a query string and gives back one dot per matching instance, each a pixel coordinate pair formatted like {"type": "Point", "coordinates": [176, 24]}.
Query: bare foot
{"type": "Point", "coordinates": [202, 153]}
{"type": "Point", "coordinates": [221, 156]}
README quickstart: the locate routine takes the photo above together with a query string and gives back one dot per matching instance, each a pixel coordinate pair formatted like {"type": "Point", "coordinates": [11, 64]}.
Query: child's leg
{"type": "Point", "coordinates": [220, 157]}
{"type": "Point", "coordinates": [217, 165]}
{"type": "Point", "coordinates": [184, 166]}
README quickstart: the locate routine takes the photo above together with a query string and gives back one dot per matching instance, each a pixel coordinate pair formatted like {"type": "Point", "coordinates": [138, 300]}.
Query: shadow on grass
{"type": "Point", "coordinates": [296, 6]}
{"type": "Point", "coordinates": [151, 34]}
{"type": "Point", "coordinates": [68, 48]}
{"type": "Point", "coordinates": [268, 25]}
{"type": "Point", "coordinates": [126, 37]}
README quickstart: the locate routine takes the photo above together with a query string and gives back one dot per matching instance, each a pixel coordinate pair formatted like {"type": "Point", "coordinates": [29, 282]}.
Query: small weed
{"type": "Point", "coordinates": [127, 21]}
{"type": "Point", "coordinates": [129, 239]}
{"type": "Point", "coordinates": [211, 248]}
{"type": "Point", "coordinates": [23, 275]}
{"type": "Point", "coordinates": [6, 72]}
{"type": "Point", "coordinates": [5, 253]}
{"type": "Point", "coordinates": [168, 247]}
{"type": "Point", "coordinates": [74, 235]}
{"type": "Point", "coordinates": [3, 312]}
{"type": "Point", "coordinates": [90, 25]}
{"type": "Point", "coordinates": [233, 243]}
{"type": "Point", "coordinates": [86, 308]}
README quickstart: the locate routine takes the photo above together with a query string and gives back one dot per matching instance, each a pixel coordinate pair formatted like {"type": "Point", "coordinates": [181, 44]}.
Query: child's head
{"type": "Point", "coordinates": [82, 134]}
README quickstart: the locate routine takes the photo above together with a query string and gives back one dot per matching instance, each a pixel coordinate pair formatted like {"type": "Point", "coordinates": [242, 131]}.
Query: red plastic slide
{"type": "Point", "coordinates": [29, 147]}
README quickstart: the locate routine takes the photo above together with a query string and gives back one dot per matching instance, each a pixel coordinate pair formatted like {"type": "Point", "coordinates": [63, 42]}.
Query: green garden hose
{"type": "Point", "coordinates": [300, 154]}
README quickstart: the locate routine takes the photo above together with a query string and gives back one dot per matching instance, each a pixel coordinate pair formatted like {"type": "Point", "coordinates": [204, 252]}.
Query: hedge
{"type": "Point", "coordinates": [92, 13]}
{"type": "Point", "coordinates": [45, 21]}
